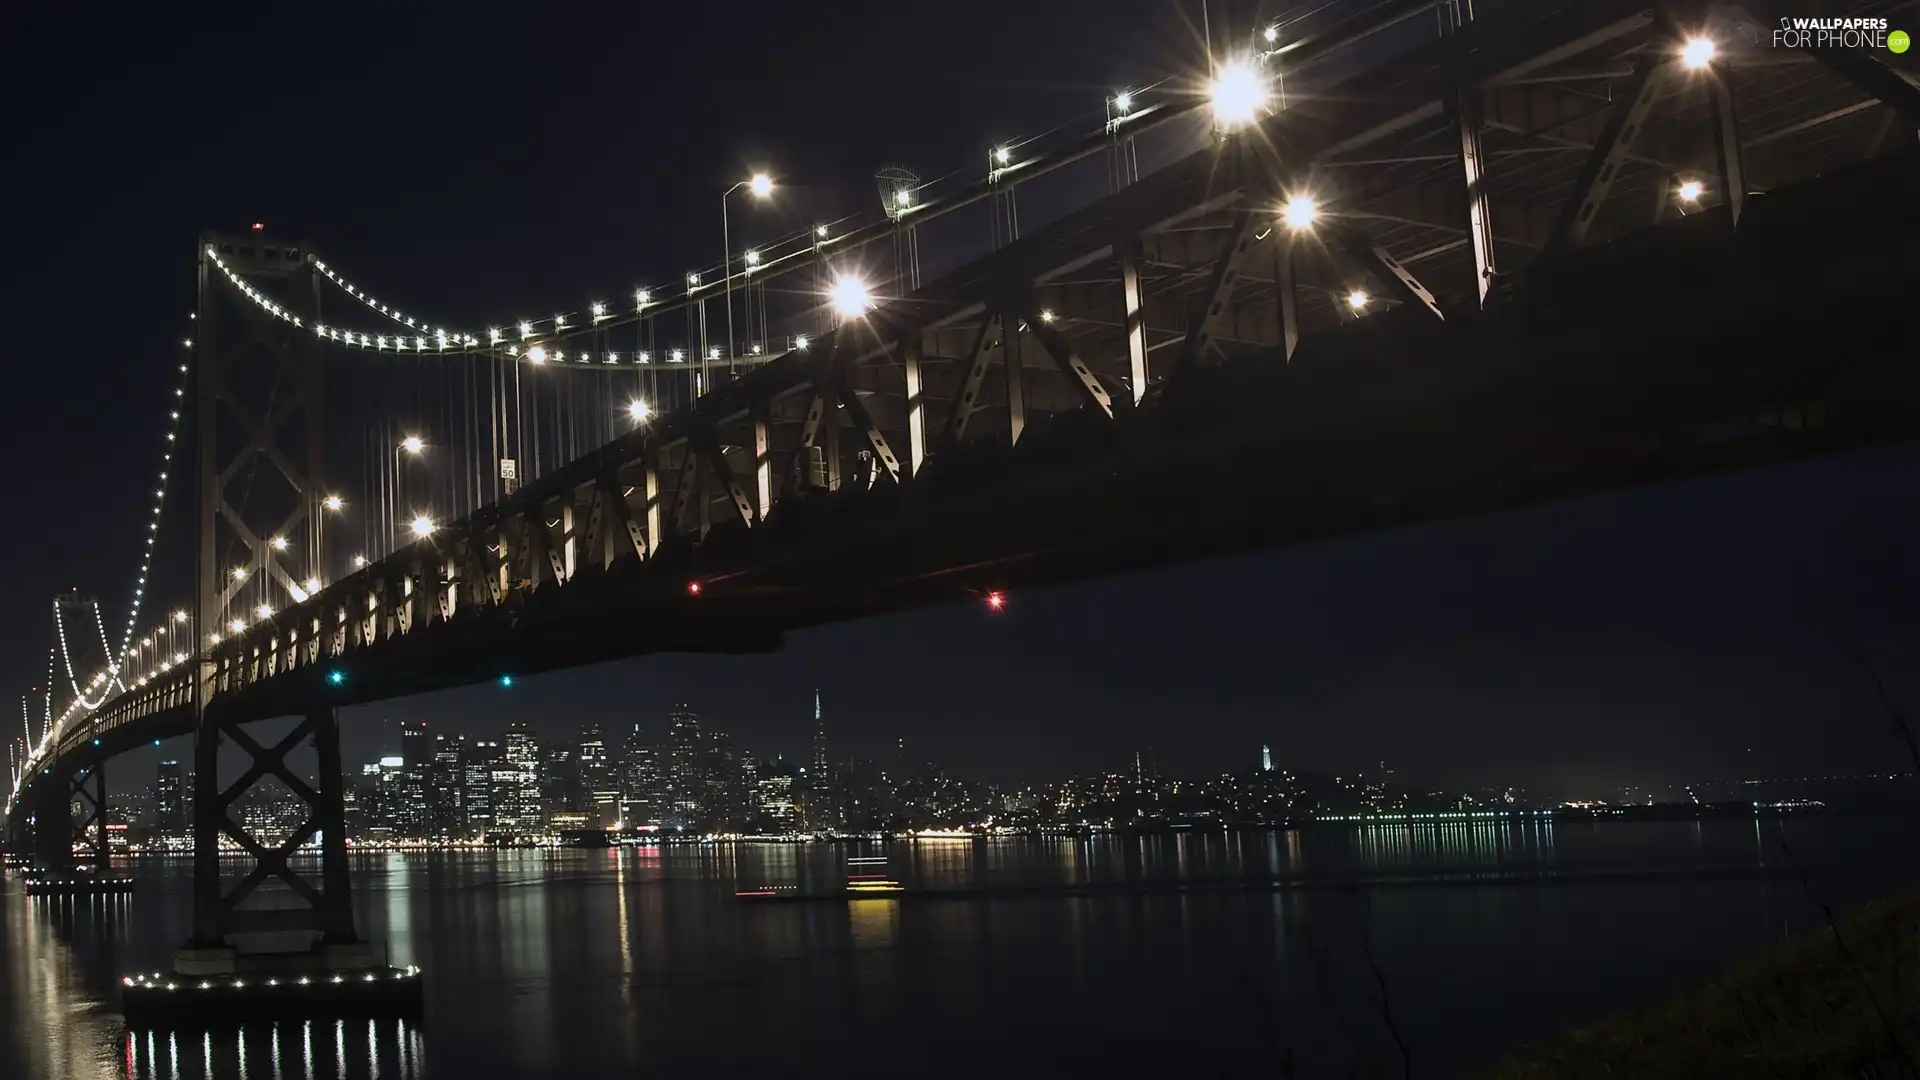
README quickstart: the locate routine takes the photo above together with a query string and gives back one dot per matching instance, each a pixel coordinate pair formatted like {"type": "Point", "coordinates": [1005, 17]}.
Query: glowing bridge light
{"type": "Point", "coordinates": [800, 342]}
{"type": "Point", "coordinates": [761, 185]}
{"type": "Point", "coordinates": [1272, 34]}
{"type": "Point", "coordinates": [996, 600]}
{"type": "Point", "coordinates": [1357, 300]}
{"type": "Point", "coordinates": [1002, 155]}
{"type": "Point", "coordinates": [1300, 212]}
{"type": "Point", "coordinates": [1123, 103]}
{"type": "Point", "coordinates": [313, 585]}
{"type": "Point", "coordinates": [334, 503]}
{"type": "Point", "coordinates": [422, 526]}
{"type": "Point", "coordinates": [526, 331]}
{"type": "Point", "coordinates": [753, 258]}
{"type": "Point", "coordinates": [537, 354]}
{"type": "Point", "coordinates": [263, 611]}
{"type": "Point", "coordinates": [599, 310]}
{"type": "Point", "coordinates": [413, 444]}
{"type": "Point", "coordinates": [820, 232]}
{"type": "Point", "coordinates": [638, 411]}
{"type": "Point", "coordinates": [239, 573]}
{"type": "Point", "coordinates": [359, 561]}
{"type": "Point", "coordinates": [336, 676]}
{"type": "Point", "coordinates": [506, 680]}
{"type": "Point", "coordinates": [1698, 53]}
{"type": "Point", "coordinates": [279, 543]}
{"type": "Point", "coordinates": [851, 297]}
{"type": "Point", "coordinates": [642, 297]}
{"type": "Point", "coordinates": [1691, 190]}
{"type": "Point", "coordinates": [693, 588]}
{"type": "Point", "coordinates": [1238, 94]}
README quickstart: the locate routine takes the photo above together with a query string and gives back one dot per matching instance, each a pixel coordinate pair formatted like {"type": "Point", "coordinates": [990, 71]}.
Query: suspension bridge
{"type": "Point", "coordinates": [1407, 264]}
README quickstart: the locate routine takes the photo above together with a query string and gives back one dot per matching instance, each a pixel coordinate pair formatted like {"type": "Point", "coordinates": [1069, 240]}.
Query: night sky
{"type": "Point", "coordinates": [463, 162]}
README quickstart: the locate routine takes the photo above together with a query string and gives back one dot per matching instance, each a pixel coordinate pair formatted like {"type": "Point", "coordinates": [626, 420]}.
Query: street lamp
{"type": "Point", "coordinates": [851, 297]}
{"type": "Point", "coordinates": [1698, 53]}
{"type": "Point", "coordinates": [638, 411]}
{"type": "Point", "coordinates": [761, 185]}
{"type": "Point", "coordinates": [1238, 94]}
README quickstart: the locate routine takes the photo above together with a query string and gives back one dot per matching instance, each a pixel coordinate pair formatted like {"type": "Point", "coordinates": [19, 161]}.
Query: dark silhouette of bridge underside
{"type": "Point", "coordinates": [843, 482]}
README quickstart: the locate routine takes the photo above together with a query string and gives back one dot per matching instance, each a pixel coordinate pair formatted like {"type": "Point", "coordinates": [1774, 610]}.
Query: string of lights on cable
{"type": "Point", "coordinates": [176, 406]}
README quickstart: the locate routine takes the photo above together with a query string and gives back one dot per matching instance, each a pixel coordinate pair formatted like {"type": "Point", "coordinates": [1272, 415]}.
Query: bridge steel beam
{"type": "Point", "coordinates": [1865, 69]}
{"type": "Point", "coordinates": [1380, 262]}
{"type": "Point", "coordinates": [1473, 169]}
{"type": "Point", "coordinates": [1625, 123]}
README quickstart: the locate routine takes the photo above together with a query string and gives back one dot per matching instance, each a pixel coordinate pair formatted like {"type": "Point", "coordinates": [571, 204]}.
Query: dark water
{"type": "Point", "coordinates": [642, 962]}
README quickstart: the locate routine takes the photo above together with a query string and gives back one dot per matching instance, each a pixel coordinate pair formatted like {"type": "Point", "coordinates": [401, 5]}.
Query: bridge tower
{"type": "Point", "coordinates": [259, 409]}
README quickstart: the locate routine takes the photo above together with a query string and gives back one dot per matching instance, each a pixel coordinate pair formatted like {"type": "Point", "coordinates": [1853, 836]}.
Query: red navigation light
{"type": "Point", "coordinates": [996, 600]}
{"type": "Point", "coordinates": [259, 227]}
{"type": "Point", "coordinates": [693, 588]}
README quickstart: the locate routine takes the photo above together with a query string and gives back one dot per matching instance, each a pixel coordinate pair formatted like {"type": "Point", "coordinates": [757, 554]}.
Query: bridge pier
{"type": "Point", "coordinates": [213, 978]}
{"type": "Point", "coordinates": [219, 910]}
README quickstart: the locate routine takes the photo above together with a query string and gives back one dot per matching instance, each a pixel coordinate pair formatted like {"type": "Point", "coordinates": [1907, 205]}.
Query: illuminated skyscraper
{"type": "Point", "coordinates": [686, 772]}
{"type": "Point", "coordinates": [519, 811]}
{"type": "Point", "coordinates": [819, 745]}
{"type": "Point", "coordinates": [169, 805]}
{"type": "Point", "coordinates": [599, 787]}
{"type": "Point", "coordinates": [1266, 758]}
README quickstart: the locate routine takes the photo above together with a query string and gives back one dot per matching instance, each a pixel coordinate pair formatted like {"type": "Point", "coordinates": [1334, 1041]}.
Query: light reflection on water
{"type": "Point", "coordinates": [375, 1049]}
{"type": "Point", "coordinates": [577, 962]}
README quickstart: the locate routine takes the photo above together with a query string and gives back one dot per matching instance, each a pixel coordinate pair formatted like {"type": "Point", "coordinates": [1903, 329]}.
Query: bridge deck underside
{"type": "Point", "coordinates": [1605, 366]}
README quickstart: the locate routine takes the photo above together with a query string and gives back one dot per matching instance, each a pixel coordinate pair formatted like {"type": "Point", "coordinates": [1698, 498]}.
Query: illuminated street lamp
{"type": "Point", "coordinates": [1238, 93]}
{"type": "Point", "coordinates": [1691, 190]}
{"type": "Point", "coordinates": [1698, 53]}
{"type": "Point", "coordinates": [761, 187]}
{"type": "Point", "coordinates": [1300, 212]}
{"type": "Point", "coordinates": [851, 296]}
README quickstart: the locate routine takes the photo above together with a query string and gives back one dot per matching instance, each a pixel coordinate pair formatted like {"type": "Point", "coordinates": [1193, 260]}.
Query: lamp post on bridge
{"type": "Point", "coordinates": [761, 185]}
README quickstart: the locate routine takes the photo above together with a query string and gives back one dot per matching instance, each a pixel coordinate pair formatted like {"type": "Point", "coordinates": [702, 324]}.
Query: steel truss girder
{"type": "Point", "coordinates": [1382, 265]}
{"type": "Point", "coordinates": [1893, 87]}
{"type": "Point", "coordinates": [1062, 353]}
{"type": "Point", "coordinates": [1624, 124]}
{"type": "Point", "coordinates": [1473, 168]}
{"type": "Point", "coordinates": [704, 443]}
{"type": "Point", "coordinates": [328, 910]}
{"type": "Point", "coordinates": [979, 359]}
{"type": "Point", "coordinates": [1241, 238]}
{"type": "Point", "coordinates": [1726, 144]}
{"type": "Point", "coordinates": [831, 387]}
